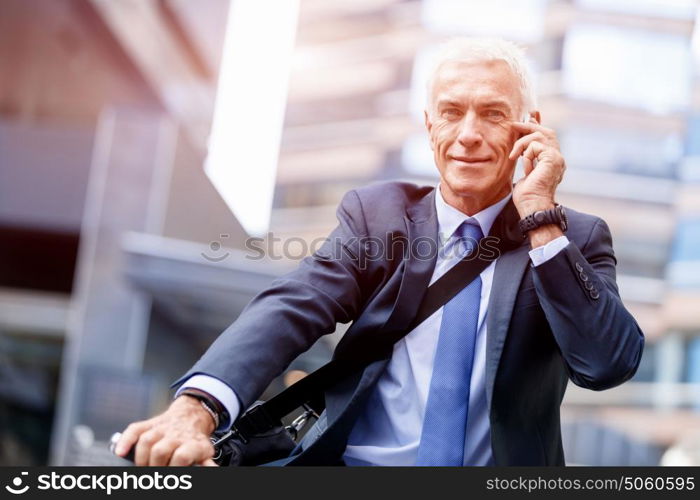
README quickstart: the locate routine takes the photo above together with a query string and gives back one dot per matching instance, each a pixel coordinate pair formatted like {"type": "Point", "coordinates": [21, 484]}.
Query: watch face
{"type": "Point", "coordinates": [540, 217]}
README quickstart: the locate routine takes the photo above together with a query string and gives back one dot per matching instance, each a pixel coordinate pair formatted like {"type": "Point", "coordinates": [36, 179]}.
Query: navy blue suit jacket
{"type": "Point", "coordinates": [560, 321]}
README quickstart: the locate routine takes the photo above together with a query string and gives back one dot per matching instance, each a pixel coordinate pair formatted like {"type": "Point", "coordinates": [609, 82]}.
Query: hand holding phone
{"type": "Point", "coordinates": [543, 164]}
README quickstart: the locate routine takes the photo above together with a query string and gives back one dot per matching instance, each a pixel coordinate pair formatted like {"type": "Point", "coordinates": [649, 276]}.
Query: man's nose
{"type": "Point", "coordinates": [469, 132]}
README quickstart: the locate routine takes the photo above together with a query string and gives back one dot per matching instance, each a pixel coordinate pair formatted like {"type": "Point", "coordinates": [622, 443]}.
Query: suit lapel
{"type": "Point", "coordinates": [422, 234]}
{"type": "Point", "coordinates": [421, 226]}
{"type": "Point", "coordinates": [510, 268]}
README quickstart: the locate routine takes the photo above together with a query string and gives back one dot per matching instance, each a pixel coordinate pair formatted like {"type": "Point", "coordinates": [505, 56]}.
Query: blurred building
{"type": "Point", "coordinates": [111, 234]}
{"type": "Point", "coordinates": [122, 259]}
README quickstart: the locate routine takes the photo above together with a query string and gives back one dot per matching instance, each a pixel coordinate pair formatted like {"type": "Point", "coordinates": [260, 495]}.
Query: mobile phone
{"type": "Point", "coordinates": [524, 119]}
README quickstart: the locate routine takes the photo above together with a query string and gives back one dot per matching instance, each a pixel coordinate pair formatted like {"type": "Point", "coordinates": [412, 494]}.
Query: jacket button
{"type": "Point", "coordinates": [588, 285]}
{"type": "Point", "coordinates": [578, 267]}
{"type": "Point", "coordinates": [583, 277]}
{"type": "Point", "coordinates": [594, 294]}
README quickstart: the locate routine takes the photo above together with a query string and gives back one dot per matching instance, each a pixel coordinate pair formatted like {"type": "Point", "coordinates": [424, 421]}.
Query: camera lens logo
{"type": "Point", "coordinates": [215, 246]}
{"type": "Point", "coordinates": [17, 483]}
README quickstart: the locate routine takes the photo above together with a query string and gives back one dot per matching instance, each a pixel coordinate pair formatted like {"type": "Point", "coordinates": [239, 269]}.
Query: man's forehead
{"type": "Point", "coordinates": [482, 68]}
{"type": "Point", "coordinates": [482, 80]}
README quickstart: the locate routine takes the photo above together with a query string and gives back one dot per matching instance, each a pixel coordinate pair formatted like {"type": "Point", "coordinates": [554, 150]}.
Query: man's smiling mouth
{"type": "Point", "coordinates": [470, 160]}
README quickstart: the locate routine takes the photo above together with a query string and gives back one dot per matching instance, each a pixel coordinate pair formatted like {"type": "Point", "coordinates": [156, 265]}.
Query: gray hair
{"type": "Point", "coordinates": [487, 49]}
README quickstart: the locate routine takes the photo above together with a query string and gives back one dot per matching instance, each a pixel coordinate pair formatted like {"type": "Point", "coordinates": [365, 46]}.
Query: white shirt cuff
{"type": "Point", "coordinates": [542, 254]}
{"type": "Point", "coordinates": [217, 389]}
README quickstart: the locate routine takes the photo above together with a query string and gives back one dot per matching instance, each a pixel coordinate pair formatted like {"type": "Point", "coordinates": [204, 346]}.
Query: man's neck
{"type": "Point", "coordinates": [449, 217]}
{"type": "Point", "coordinates": [470, 205]}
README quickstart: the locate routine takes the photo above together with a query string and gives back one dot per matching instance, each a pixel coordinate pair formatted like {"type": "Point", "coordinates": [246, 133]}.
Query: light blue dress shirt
{"type": "Point", "coordinates": [388, 431]}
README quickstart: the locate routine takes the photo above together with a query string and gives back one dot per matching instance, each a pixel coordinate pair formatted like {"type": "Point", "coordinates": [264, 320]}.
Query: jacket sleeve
{"type": "Point", "coordinates": [284, 320]}
{"type": "Point", "coordinates": [600, 341]}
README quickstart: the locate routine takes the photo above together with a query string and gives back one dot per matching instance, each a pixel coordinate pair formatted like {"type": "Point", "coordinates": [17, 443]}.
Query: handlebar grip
{"type": "Point", "coordinates": [113, 444]}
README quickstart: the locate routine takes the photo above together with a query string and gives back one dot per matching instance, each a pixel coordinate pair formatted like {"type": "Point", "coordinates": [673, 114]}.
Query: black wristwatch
{"type": "Point", "coordinates": [556, 215]}
{"type": "Point", "coordinates": [212, 405]}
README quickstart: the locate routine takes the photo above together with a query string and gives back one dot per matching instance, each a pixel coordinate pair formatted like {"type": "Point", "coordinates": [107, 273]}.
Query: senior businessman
{"type": "Point", "coordinates": [480, 382]}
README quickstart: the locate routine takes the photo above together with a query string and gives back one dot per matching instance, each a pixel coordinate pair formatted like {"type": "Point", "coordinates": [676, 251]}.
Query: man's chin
{"type": "Point", "coordinates": [465, 187]}
{"type": "Point", "coordinates": [473, 188]}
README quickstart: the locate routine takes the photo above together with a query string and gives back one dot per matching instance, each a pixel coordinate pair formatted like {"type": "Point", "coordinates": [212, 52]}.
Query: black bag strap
{"type": "Point", "coordinates": [309, 391]}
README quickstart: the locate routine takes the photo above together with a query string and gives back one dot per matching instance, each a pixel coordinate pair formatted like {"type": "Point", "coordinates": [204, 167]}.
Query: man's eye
{"type": "Point", "coordinates": [451, 113]}
{"type": "Point", "coordinates": [495, 114]}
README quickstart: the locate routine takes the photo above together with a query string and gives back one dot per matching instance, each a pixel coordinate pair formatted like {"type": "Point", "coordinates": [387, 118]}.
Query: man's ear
{"type": "Point", "coordinates": [428, 124]}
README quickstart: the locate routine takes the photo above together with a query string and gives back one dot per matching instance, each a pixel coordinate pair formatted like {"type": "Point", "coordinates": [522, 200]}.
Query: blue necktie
{"type": "Point", "coordinates": [446, 412]}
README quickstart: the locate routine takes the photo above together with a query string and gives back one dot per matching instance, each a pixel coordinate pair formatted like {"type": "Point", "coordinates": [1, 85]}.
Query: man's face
{"type": "Point", "coordinates": [468, 119]}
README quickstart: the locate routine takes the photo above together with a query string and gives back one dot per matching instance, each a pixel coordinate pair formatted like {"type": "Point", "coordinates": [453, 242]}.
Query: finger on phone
{"type": "Point", "coordinates": [526, 127]}
{"type": "Point", "coordinates": [530, 156]}
{"type": "Point", "coordinates": [524, 142]}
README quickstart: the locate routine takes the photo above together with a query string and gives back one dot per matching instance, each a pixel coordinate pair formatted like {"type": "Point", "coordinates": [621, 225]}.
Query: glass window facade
{"type": "Point", "coordinates": [627, 67]}
{"type": "Point", "coordinates": [626, 151]}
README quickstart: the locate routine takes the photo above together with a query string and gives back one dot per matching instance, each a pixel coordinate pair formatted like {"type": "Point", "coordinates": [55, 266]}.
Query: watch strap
{"type": "Point", "coordinates": [540, 218]}
{"type": "Point", "coordinates": [209, 403]}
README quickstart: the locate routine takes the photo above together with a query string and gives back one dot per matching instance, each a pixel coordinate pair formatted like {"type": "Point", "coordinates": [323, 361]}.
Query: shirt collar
{"type": "Point", "coordinates": [449, 218]}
